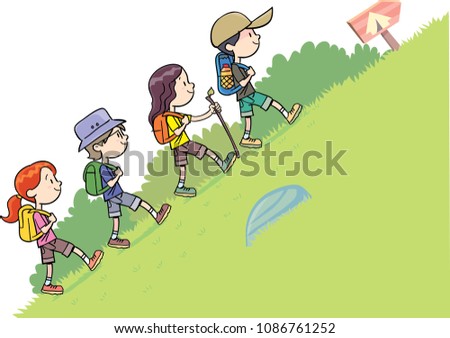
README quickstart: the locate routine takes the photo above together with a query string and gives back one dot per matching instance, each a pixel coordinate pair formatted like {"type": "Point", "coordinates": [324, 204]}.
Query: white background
{"type": "Point", "coordinates": [61, 60]}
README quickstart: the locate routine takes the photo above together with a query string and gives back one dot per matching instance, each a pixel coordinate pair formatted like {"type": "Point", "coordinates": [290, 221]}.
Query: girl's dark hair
{"type": "Point", "coordinates": [232, 41]}
{"type": "Point", "coordinates": [161, 87]}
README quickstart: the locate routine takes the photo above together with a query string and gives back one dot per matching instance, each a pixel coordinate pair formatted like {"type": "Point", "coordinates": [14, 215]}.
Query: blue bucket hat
{"type": "Point", "coordinates": [93, 126]}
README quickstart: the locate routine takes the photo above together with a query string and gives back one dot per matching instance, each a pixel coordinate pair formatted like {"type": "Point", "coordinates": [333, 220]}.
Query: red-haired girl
{"type": "Point", "coordinates": [37, 184]}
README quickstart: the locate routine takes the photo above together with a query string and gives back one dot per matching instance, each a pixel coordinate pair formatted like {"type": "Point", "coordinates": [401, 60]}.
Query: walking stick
{"type": "Point", "coordinates": [210, 100]}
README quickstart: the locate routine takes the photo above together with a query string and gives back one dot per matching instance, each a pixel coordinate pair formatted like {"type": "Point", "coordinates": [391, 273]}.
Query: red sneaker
{"type": "Point", "coordinates": [52, 289]}
{"type": "Point", "coordinates": [163, 213]}
{"type": "Point", "coordinates": [95, 259]}
{"type": "Point", "coordinates": [119, 243]}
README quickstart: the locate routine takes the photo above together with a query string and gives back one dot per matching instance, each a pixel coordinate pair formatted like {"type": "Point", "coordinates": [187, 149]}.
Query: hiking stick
{"type": "Point", "coordinates": [210, 100]}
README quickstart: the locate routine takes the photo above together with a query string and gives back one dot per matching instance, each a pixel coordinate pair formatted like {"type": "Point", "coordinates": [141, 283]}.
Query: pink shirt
{"type": "Point", "coordinates": [41, 221]}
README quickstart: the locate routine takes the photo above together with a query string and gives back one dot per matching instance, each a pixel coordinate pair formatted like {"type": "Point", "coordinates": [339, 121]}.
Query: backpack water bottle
{"type": "Point", "coordinates": [225, 80]}
{"type": "Point", "coordinates": [226, 77]}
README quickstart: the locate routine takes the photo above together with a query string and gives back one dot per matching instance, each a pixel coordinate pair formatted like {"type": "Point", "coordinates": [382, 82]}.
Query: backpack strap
{"type": "Point", "coordinates": [241, 65]}
{"type": "Point", "coordinates": [110, 166]}
{"type": "Point", "coordinates": [171, 113]}
{"type": "Point", "coordinates": [42, 212]}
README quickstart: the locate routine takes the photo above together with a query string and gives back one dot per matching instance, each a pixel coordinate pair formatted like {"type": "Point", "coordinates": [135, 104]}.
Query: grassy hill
{"type": "Point", "coordinates": [371, 243]}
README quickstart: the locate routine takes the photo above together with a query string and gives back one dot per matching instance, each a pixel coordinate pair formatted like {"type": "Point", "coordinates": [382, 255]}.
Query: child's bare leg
{"type": "Point", "coordinates": [183, 173]}
{"type": "Point", "coordinates": [116, 224]}
{"type": "Point", "coordinates": [248, 127]}
{"type": "Point", "coordinates": [149, 208]}
{"type": "Point", "coordinates": [146, 206]}
{"type": "Point", "coordinates": [81, 254]}
{"type": "Point", "coordinates": [277, 105]}
{"type": "Point", "coordinates": [49, 272]}
{"type": "Point", "coordinates": [182, 177]}
{"type": "Point", "coordinates": [78, 252]}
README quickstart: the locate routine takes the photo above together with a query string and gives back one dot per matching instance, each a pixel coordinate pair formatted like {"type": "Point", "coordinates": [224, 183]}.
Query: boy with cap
{"type": "Point", "coordinates": [233, 34]}
{"type": "Point", "coordinates": [104, 139]}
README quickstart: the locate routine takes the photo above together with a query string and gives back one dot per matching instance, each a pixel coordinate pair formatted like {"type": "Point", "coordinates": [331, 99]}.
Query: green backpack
{"type": "Point", "coordinates": [93, 179]}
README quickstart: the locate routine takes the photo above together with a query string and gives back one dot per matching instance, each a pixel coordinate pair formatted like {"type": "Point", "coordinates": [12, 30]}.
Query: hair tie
{"type": "Point", "coordinates": [19, 197]}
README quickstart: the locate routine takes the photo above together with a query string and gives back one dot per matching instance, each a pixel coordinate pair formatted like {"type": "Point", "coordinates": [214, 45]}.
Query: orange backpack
{"type": "Point", "coordinates": [160, 128]}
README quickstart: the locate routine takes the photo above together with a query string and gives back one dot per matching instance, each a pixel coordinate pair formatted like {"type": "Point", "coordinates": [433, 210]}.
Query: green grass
{"type": "Point", "coordinates": [373, 243]}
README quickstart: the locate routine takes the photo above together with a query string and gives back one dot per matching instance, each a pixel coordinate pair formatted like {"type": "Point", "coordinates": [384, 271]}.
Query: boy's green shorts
{"type": "Point", "coordinates": [256, 99]}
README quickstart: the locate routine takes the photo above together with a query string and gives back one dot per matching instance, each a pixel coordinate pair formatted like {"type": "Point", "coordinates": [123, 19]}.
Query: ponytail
{"type": "Point", "coordinates": [14, 205]}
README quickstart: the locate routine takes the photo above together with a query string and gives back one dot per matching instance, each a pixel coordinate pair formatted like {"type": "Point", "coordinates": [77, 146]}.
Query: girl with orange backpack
{"type": "Point", "coordinates": [170, 89]}
{"type": "Point", "coordinates": [36, 183]}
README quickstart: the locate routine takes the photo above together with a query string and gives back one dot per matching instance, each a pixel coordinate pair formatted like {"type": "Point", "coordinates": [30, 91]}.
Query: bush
{"type": "Point", "coordinates": [306, 76]}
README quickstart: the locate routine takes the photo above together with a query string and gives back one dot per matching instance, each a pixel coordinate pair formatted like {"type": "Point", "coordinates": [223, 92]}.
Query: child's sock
{"type": "Point", "coordinates": [85, 259]}
{"type": "Point", "coordinates": [152, 212]}
{"type": "Point", "coordinates": [247, 134]}
{"type": "Point", "coordinates": [284, 112]}
{"type": "Point", "coordinates": [48, 281]}
{"type": "Point", "coordinates": [217, 160]}
{"type": "Point", "coordinates": [114, 234]}
{"type": "Point", "coordinates": [180, 183]}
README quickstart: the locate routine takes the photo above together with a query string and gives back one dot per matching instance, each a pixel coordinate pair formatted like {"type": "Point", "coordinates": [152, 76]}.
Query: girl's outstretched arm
{"type": "Point", "coordinates": [212, 109]}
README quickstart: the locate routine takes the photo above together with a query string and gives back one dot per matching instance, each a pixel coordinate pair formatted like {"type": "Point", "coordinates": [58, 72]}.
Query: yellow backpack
{"type": "Point", "coordinates": [27, 228]}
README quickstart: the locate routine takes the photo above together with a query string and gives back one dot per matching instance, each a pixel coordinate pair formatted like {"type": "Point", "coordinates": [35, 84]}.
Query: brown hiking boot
{"type": "Point", "coordinates": [95, 259]}
{"type": "Point", "coordinates": [119, 243]}
{"type": "Point", "coordinates": [294, 113]}
{"type": "Point", "coordinates": [251, 143]}
{"type": "Point", "coordinates": [163, 213]}
{"type": "Point", "coordinates": [52, 289]}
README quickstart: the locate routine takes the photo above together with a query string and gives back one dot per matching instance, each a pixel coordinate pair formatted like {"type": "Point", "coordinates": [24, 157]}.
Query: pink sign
{"type": "Point", "coordinates": [375, 20]}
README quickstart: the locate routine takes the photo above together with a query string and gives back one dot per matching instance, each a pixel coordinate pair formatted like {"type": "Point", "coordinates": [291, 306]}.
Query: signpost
{"type": "Point", "coordinates": [377, 20]}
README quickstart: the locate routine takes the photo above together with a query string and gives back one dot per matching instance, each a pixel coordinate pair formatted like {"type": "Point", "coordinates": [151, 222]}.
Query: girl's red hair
{"type": "Point", "coordinates": [26, 179]}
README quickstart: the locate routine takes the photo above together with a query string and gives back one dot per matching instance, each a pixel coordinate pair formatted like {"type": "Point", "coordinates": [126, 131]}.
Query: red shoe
{"type": "Point", "coordinates": [163, 213]}
{"type": "Point", "coordinates": [52, 289]}
{"type": "Point", "coordinates": [95, 259]}
{"type": "Point", "coordinates": [119, 243]}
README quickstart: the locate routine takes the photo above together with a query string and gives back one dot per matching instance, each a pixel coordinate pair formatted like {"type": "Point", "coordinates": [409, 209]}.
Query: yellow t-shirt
{"type": "Point", "coordinates": [175, 123]}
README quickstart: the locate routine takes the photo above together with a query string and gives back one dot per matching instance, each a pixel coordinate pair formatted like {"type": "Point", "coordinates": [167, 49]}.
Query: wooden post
{"type": "Point", "coordinates": [390, 40]}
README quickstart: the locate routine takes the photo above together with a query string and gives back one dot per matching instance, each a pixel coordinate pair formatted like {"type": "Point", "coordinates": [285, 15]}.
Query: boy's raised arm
{"type": "Point", "coordinates": [242, 78]}
{"type": "Point", "coordinates": [109, 177]}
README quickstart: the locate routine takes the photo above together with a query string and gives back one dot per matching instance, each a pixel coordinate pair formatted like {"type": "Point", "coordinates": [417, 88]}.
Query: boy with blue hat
{"type": "Point", "coordinates": [104, 138]}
